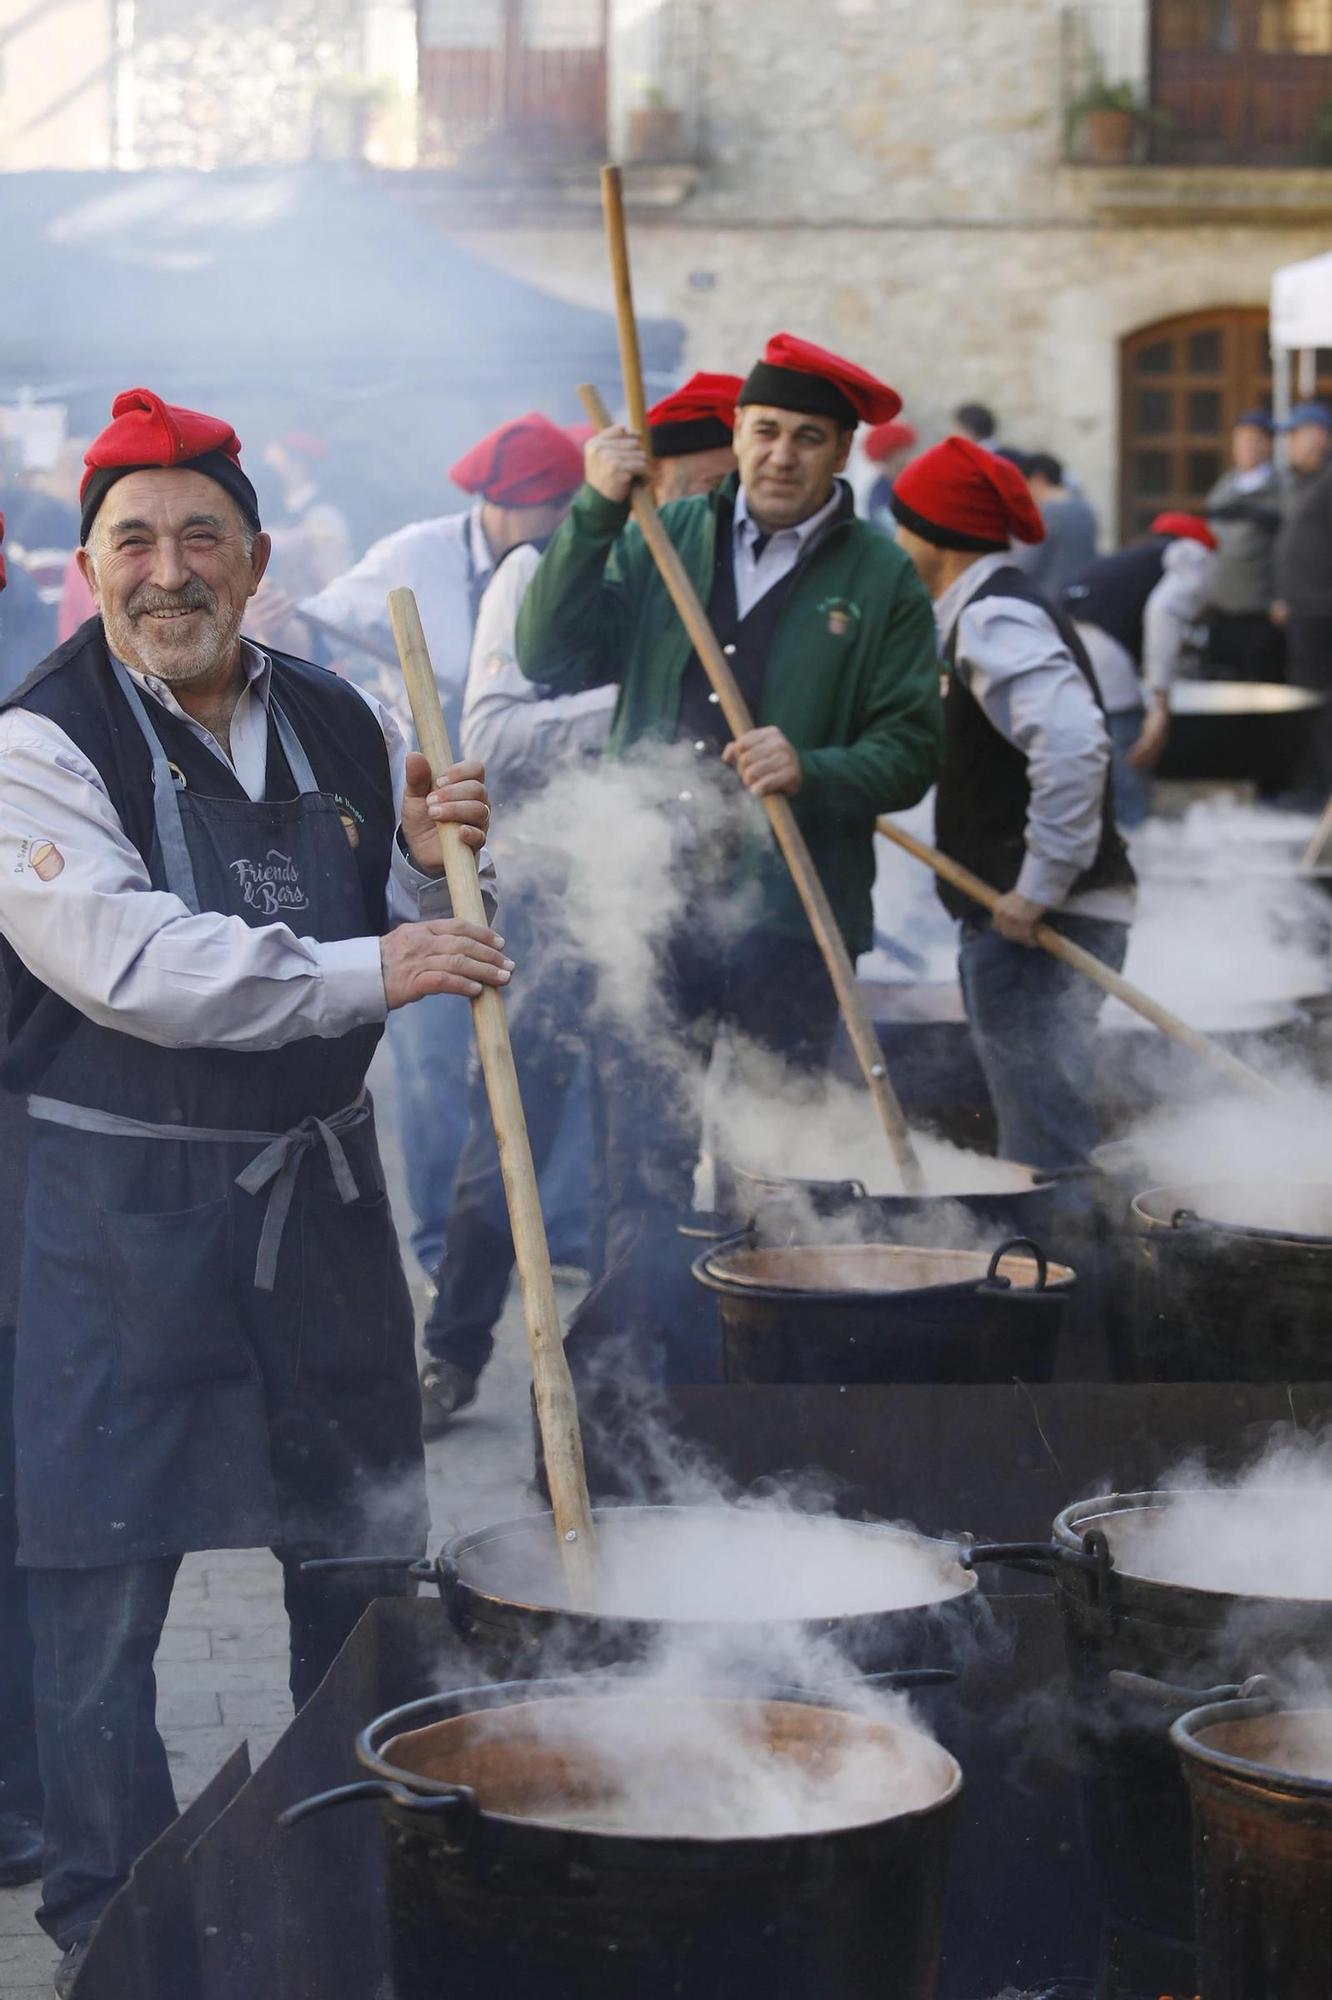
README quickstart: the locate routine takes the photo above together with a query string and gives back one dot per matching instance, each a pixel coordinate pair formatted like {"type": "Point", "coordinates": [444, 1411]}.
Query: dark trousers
{"type": "Point", "coordinates": [103, 1764]}
{"type": "Point", "coordinates": [774, 991]}
{"type": "Point", "coordinates": [1244, 646]}
{"type": "Point", "coordinates": [1309, 665]}
{"type": "Point", "coordinates": [1033, 1023]}
{"type": "Point", "coordinates": [20, 1786]}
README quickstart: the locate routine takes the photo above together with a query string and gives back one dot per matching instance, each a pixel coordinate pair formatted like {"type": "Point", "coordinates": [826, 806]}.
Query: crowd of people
{"type": "Point", "coordinates": [220, 884]}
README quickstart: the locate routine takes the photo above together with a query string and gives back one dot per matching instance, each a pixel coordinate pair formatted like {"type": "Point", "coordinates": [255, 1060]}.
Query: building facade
{"type": "Point", "coordinates": [1068, 209]}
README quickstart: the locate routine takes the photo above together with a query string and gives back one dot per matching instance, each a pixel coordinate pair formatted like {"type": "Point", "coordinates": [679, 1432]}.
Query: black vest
{"type": "Point", "coordinates": [980, 811]}
{"type": "Point", "coordinates": [1113, 591]}
{"type": "Point", "coordinates": [56, 1049]}
{"type": "Point", "coordinates": [747, 641]}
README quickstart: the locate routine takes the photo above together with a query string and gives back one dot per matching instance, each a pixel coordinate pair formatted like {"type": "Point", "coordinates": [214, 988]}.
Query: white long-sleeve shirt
{"type": "Point", "coordinates": [133, 957]}
{"type": "Point", "coordinates": [1010, 655]}
{"type": "Point", "coordinates": [1172, 611]}
{"type": "Point", "coordinates": [447, 563]}
{"type": "Point", "coordinates": [505, 723]}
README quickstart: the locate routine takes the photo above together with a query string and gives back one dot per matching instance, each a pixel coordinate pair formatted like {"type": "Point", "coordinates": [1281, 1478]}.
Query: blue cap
{"type": "Point", "coordinates": [1308, 413]}
{"type": "Point", "coordinates": [1258, 420]}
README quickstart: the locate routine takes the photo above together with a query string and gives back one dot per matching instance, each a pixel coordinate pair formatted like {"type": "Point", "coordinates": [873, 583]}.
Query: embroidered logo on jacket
{"type": "Point", "coordinates": [272, 885]}
{"type": "Point", "coordinates": [840, 612]}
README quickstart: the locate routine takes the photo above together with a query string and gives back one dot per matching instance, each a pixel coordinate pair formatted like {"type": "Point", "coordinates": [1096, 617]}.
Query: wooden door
{"type": "Point", "coordinates": [1239, 81]}
{"type": "Point", "coordinates": [1183, 382]}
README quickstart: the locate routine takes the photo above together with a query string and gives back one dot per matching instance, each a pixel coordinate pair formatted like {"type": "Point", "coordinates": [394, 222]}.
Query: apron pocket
{"type": "Point", "coordinates": [170, 1284]}
{"type": "Point", "coordinates": [354, 1298]}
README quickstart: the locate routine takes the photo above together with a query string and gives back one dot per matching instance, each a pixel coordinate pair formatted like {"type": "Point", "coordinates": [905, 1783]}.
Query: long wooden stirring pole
{"type": "Point", "coordinates": [1082, 961]}
{"type": "Point", "coordinates": [557, 1407]}
{"type": "Point", "coordinates": [783, 821]}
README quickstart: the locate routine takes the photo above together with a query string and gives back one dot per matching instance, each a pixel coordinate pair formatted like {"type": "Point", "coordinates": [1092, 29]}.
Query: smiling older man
{"type": "Point", "coordinates": [218, 873]}
{"type": "Point", "coordinates": [831, 639]}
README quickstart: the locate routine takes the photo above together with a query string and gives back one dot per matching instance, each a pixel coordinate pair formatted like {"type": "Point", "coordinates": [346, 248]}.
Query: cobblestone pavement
{"type": "Point", "coordinates": [222, 1668]}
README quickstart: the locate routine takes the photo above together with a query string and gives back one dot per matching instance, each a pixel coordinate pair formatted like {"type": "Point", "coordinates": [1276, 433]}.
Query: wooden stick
{"type": "Point", "coordinates": [1082, 961]}
{"type": "Point", "coordinates": [790, 839]}
{"type": "Point", "coordinates": [1316, 852]}
{"type": "Point", "coordinates": [631, 361]}
{"type": "Point", "coordinates": [557, 1407]}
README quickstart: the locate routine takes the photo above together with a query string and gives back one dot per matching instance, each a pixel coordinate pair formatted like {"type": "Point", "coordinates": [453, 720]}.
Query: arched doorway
{"type": "Point", "coordinates": [1183, 382]}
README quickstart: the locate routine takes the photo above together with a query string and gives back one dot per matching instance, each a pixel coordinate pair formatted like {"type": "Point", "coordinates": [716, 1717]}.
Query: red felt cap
{"type": "Point", "coordinates": [702, 396]}
{"type": "Point", "coordinates": [525, 463]}
{"type": "Point", "coordinates": [1184, 528]}
{"type": "Point", "coordinates": [884, 439]}
{"type": "Point", "coordinates": [145, 432]}
{"type": "Point", "coordinates": [960, 496]}
{"type": "Point", "coordinates": [794, 374]}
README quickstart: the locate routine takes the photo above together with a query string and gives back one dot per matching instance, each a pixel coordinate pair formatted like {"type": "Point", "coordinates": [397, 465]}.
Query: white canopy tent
{"type": "Point", "coordinates": [1301, 323]}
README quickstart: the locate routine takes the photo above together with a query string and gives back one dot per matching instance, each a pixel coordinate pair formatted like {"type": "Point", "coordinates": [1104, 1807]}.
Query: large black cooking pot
{"type": "Point", "coordinates": [517, 1868]}
{"type": "Point", "coordinates": [715, 1587]}
{"type": "Point", "coordinates": [1121, 1619]}
{"type": "Point", "coordinates": [1232, 1282]}
{"type": "Point", "coordinates": [1237, 730]}
{"type": "Point", "coordinates": [880, 1312]}
{"type": "Point", "coordinates": [780, 1207]}
{"type": "Point", "coordinates": [1261, 1783]}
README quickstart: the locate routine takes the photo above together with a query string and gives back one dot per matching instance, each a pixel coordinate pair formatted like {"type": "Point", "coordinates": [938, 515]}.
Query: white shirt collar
{"type": "Point", "coordinates": [746, 527]}
{"type": "Point", "coordinates": [949, 608]}
{"type": "Point", "coordinates": [482, 560]}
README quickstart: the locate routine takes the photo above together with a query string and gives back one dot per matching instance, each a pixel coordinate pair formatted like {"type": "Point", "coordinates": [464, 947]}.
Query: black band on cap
{"type": "Point", "coordinates": [691, 434]}
{"type": "Point", "coordinates": [216, 465]}
{"type": "Point", "coordinates": [943, 538]}
{"type": "Point", "coordinates": [791, 389]}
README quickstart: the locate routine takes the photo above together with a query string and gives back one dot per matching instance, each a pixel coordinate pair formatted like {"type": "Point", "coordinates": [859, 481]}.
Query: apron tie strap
{"type": "Point", "coordinates": [275, 1168]}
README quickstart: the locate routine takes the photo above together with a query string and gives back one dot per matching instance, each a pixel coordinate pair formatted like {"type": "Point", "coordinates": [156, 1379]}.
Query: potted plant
{"type": "Point", "coordinates": [1107, 117]}
{"type": "Point", "coordinates": [655, 128]}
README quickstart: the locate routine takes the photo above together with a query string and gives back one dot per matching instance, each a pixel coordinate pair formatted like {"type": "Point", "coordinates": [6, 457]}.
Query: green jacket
{"type": "Point", "coordinates": [852, 680]}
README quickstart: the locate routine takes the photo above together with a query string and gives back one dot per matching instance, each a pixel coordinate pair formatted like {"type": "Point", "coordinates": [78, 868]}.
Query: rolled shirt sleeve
{"type": "Point", "coordinates": [135, 958]}
{"type": "Point", "coordinates": [1173, 609]}
{"type": "Point", "coordinates": [1033, 692]}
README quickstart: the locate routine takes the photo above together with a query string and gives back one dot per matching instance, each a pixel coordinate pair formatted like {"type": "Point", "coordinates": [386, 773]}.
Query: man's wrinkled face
{"type": "Point", "coordinates": [172, 566]}
{"type": "Point", "coordinates": [692, 472]}
{"type": "Point", "coordinates": [1308, 446]}
{"type": "Point", "coordinates": [788, 462]}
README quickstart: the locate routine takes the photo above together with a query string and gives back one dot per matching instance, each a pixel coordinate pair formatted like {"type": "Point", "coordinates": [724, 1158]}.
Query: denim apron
{"type": "Point", "coordinates": [215, 1332]}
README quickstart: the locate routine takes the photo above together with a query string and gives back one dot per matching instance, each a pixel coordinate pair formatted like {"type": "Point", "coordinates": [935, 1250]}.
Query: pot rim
{"type": "Point", "coordinates": [505, 1694]}
{"type": "Point", "coordinates": [855, 1190]}
{"type": "Point", "coordinates": [461, 1545]}
{"type": "Point", "coordinates": [1186, 1731]}
{"type": "Point", "coordinates": [1183, 1195]}
{"type": "Point", "coordinates": [707, 1270]}
{"type": "Point", "coordinates": [1072, 1522]}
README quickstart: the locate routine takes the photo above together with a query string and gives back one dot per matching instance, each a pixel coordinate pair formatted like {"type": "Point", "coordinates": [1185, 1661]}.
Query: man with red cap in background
{"type": "Point", "coordinates": [1138, 611]}
{"type": "Point", "coordinates": [830, 638]}
{"type": "Point", "coordinates": [218, 874]}
{"type": "Point", "coordinates": [886, 448]}
{"type": "Point", "coordinates": [521, 477]}
{"type": "Point", "coordinates": [526, 737]}
{"type": "Point", "coordinates": [1025, 798]}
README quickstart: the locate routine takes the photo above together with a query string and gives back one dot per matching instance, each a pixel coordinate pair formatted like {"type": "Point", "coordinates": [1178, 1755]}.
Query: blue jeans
{"type": "Point", "coordinates": [431, 1043]}
{"type": "Point", "coordinates": [103, 1764]}
{"type": "Point", "coordinates": [1033, 1023]}
{"type": "Point", "coordinates": [1133, 789]}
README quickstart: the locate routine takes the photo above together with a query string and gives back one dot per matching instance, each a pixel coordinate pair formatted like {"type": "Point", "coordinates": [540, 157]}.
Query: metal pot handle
{"type": "Point", "coordinates": [992, 1278]}
{"type": "Point", "coordinates": [1171, 1696]}
{"type": "Point", "coordinates": [908, 1677]}
{"type": "Point", "coordinates": [1043, 1558]}
{"type": "Point", "coordinates": [1186, 1218]}
{"type": "Point", "coordinates": [420, 1567]}
{"type": "Point", "coordinates": [460, 1804]}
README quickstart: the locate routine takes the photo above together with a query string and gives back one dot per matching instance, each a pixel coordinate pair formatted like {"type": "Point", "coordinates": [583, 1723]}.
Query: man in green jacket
{"type": "Point", "coordinates": [831, 638]}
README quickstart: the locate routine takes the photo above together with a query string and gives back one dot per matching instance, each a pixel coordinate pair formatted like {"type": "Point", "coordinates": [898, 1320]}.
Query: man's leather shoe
{"type": "Point", "coordinates": [445, 1389]}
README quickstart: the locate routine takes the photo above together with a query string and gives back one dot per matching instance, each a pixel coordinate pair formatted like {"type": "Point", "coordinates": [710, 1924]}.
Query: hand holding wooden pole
{"type": "Point", "coordinates": [557, 1407]}
{"type": "Point", "coordinates": [1082, 961]}
{"type": "Point", "coordinates": [789, 838]}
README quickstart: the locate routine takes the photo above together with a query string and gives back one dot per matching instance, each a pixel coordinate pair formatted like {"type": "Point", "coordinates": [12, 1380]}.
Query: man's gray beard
{"type": "Point", "coordinates": [180, 669]}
